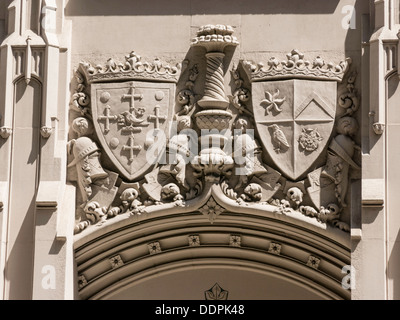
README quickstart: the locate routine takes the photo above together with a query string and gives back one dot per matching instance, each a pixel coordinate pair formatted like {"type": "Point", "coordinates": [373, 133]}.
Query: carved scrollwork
{"type": "Point", "coordinates": [349, 99]}
{"type": "Point", "coordinates": [186, 97]}
{"type": "Point", "coordinates": [241, 95]}
{"type": "Point", "coordinates": [79, 99]}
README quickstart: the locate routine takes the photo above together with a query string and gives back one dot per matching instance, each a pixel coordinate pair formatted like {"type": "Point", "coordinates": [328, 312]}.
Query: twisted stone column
{"type": "Point", "coordinates": [214, 91]}
{"type": "Point", "coordinates": [212, 160]}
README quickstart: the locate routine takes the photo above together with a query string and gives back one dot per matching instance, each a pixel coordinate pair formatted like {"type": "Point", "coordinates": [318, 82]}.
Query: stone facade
{"type": "Point", "coordinates": [231, 150]}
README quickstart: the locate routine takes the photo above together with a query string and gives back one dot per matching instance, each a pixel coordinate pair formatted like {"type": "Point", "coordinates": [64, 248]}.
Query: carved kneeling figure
{"type": "Point", "coordinates": [130, 203]}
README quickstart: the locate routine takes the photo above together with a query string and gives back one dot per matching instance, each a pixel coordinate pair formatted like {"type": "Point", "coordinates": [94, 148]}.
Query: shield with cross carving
{"type": "Point", "coordinates": [132, 120]}
{"type": "Point", "coordinates": [294, 119]}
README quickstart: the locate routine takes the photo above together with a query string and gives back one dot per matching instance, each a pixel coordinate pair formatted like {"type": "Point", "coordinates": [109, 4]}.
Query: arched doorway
{"type": "Point", "coordinates": [174, 253]}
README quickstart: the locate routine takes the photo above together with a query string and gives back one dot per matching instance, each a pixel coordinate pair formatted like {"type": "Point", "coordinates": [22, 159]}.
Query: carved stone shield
{"type": "Point", "coordinates": [294, 119]}
{"type": "Point", "coordinates": [124, 116]}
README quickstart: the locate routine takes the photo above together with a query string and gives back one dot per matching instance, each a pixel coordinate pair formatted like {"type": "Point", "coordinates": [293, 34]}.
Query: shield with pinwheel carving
{"type": "Point", "coordinates": [295, 120]}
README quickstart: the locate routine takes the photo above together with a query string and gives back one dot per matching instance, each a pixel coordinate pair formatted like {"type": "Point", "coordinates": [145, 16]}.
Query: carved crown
{"type": "Point", "coordinates": [295, 66]}
{"type": "Point", "coordinates": [215, 37]}
{"type": "Point", "coordinates": [132, 69]}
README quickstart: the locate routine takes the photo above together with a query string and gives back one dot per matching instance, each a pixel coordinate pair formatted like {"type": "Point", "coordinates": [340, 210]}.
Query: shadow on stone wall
{"type": "Point", "coordinates": [184, 7]}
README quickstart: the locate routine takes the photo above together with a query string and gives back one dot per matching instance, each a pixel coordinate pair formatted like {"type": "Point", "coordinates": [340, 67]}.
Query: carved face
{"type": "Point", "coordinates": [128, 195]}
{"type": "Point", "coordinates": [183, 97]}
{"type": "Point", "coordinates": [252, 189]}
{"type": "Point", "coordinates": [333, 209]}
{"type": "Point", "coordinates": [169, 191]}
{"type": "Point", "coordinates": [80, 125]}
{"type": "Point", "coordinates": [347, 126]}
{"type": "Point", "coordinates": [295, 194]}
{"type": "Point", "coordinates": [241, 124]}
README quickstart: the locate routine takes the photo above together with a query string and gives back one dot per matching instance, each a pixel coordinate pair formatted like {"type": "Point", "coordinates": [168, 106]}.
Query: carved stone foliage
{"type": "Point", "coordinates": [216, 293]}
{"type": "Point", "coordinates": [149, 136]}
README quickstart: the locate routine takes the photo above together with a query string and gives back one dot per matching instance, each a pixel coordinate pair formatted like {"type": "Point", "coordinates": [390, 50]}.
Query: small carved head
{"type": "Point", "coordinates": [254, 191]}
{"type": "Point", "coordinates": [347, 126]}
{"type": "Point", "coordinates": [331, 212]}
{"type": "Point", "coordinates": [169, 191]}
{"type": "Point", "coordinates": [184, 96]}
{"type": "Point", "coordinates": [241, 124]}
{"type": "Point", "coordinates": [81, 126]}
{"type": "Point", "coordinates": [128, 195]}
{"type": "Point", "coordinates": [334, 209]}
{"type": "Point", "coordinates": [295, 195]}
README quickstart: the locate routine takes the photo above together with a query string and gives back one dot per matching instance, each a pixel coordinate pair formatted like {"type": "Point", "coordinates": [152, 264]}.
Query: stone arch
{"type": "Point", "coordinates": [156, 247]}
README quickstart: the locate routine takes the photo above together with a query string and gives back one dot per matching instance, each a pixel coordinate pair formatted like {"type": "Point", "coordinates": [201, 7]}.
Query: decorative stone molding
{"type": "Point", "coordinates": [126, 236]}
{"type": "Point", "coordinates": [186, 97]}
